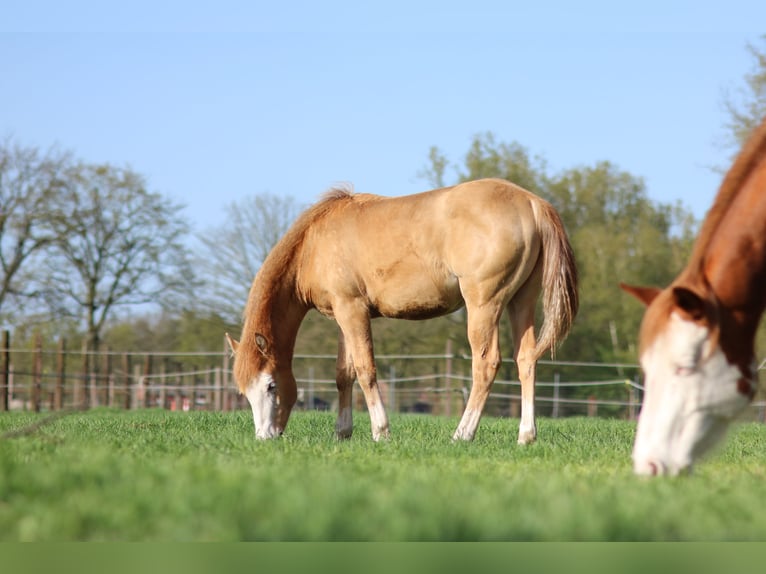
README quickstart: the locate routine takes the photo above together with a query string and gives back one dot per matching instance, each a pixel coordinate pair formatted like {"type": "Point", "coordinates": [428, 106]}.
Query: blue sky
{"type": "Point", "coordinates": [214, 103]}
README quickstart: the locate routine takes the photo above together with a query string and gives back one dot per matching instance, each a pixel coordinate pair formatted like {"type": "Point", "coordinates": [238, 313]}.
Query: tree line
{"type": "Point", "coordinates": [86, 250]}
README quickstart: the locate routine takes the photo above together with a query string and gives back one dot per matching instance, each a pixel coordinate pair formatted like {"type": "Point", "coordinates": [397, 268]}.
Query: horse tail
{"type": "Point", "coordinates": [560, 283]}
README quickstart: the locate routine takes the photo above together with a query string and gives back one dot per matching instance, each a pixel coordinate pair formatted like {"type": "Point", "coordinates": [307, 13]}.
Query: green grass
{"type": "Point", "coordinates": [160, 476]}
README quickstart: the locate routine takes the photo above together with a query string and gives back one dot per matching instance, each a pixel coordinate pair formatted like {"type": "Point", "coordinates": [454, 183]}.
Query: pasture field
{"type": "Point", "coordinates": [201, 476]}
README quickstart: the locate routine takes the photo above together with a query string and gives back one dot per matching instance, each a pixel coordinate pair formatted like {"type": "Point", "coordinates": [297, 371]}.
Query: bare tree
{"type": "Point", "coordinates": [29, 183]}
{"type": "Point", "coordinates": [233, 252]}
{"type": "Point", "coordinates": [115, 244]}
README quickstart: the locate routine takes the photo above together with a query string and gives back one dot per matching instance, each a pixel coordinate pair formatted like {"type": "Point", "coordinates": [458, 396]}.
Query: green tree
{"type": "Point", "coordinates": [511, 161]}
{"type": "Point", "coordinates": [748, 110]}
{"type": "Point", "coordinates": [618, 234]}
{"type": "Point", "coordinates": [435, 168]}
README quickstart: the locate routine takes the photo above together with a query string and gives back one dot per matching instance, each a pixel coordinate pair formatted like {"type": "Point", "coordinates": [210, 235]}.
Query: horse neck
{"type": "Point", "coordinates": [278, 315]}
{"type": "Point", "coordinates": [733, 263]}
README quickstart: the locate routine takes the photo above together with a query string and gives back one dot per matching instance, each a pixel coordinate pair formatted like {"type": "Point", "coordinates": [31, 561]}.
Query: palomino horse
{"type": "Point", "coordinates": [697, 335]}
{"type": "Point", "coordinates": [487, 245]}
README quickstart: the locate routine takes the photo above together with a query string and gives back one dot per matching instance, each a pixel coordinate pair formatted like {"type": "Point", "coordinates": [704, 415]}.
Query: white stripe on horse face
{"type": "Point", "coordinates": [691, 396]}
{"type": "Point", "coordinates": [262, 396]}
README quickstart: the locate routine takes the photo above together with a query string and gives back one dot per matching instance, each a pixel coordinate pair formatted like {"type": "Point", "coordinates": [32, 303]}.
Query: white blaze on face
{"type": "Point", "coordinates": [690, 397]}
{"type": "Point", "coordinates": [262, 395]}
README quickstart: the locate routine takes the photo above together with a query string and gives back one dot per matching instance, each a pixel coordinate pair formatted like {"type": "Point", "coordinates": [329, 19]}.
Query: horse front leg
{"type": "Point", "coordinates": [344, 380]}
{"type": "Point", "coordinates": [354, 321]}
{"type": "Point", "coordinates": [483, 335]}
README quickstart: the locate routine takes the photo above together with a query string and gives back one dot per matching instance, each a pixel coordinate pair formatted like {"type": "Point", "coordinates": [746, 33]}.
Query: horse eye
{"type": "Point", "coordinates": [272, 387]}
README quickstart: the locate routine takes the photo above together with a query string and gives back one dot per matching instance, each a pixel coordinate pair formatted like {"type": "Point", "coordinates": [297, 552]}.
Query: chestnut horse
{"type": "Point", "coordinates": [487, 245]}
{"type": "Point", "coordinates": [697, 336]}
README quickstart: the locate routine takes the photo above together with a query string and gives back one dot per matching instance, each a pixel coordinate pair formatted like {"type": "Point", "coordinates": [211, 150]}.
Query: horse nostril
{"type": "Point", "coordinates": [646, 467]}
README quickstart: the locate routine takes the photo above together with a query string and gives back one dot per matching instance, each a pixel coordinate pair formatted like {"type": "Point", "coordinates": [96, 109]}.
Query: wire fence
{"type": "Point", "coordinates": [55, 377]}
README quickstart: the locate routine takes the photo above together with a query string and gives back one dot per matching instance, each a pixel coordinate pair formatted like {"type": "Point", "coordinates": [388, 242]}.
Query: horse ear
{"type": "Point", "coordinates": [689, 302]}
{"type": "Point", "coordinates": [233, 344]}
{"type": "Point", "coordinates": [644, 294]}
{"type": "Point", "coordinates": [262, 343]}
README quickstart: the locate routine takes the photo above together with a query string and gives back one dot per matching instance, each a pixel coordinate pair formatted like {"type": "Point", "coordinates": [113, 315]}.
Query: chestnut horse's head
{"type": "Point", "coordinates": [693, 386]}
{"type": "Point", "coordinates": [270, 392]}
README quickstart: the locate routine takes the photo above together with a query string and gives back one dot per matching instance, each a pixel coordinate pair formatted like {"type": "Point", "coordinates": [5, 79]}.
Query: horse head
{"type": "Point", "coordinates": [271, 391]}
{"type": "Point", "coordinates": [692, 388]}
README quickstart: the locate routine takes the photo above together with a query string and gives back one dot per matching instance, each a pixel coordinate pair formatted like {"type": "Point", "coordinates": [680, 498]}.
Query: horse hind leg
{"type": "Point", "coordinates": [484, 338]}
{"type": "Point", "coordinates": [524, 349]}
{"type": "Point", "coordinates": [344, 380]}
{"type": "Point", "coordinates": [521, 312]}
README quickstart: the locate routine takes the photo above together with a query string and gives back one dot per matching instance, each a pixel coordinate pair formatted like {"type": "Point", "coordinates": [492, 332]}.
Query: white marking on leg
{"type": "Point", "coordinates": [527, 427]}
{"type": "Point", "coordinates": [468, 425]}
{"type": "Point", "coordinates": [379, 421]}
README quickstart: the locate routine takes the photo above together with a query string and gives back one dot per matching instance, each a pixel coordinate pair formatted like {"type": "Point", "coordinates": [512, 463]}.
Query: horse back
{"type": "Point", "coordinates": [408, 256]}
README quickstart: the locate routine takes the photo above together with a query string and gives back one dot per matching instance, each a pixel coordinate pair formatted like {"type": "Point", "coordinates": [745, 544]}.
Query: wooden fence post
{"type": "Point", "coordinates": [37, 373]}
{"type": "Point", "coordinates": [221, 395]}
{"type": "Point", "coordinates": [592, 406]}
{"type": "Point", "coordinates": [209, 382]}
{"type": "Point", "coordinates": [138, 389]}
{"type": "Point", "coordinates": [310, 391]}
{"type": "Point", "coordinates": [392, 388]}
{"type": "Point", "coordinates": [176, 391]}
{"type": "Point", "coordinates": [199, 381]}
{"type": "Point", "coordinates": [127, 386]}
{"type": "Point", "coordinates": [181, 390]}
{"type": "Point", "coordinates": [5, 372]}
{"type": "Point", "coordinates": [80, 390]}
{"type": "Point", "coordinates": [163, 383]}
{"type": "Point", "coordinates": [107, 369]}
{"type": "Point", "coordinates": [93, 378]}
{"type": "Point", "coordinates": [448, 379]}
{"type": "Point", "coordinates": [217, 402]}
{"type": "Point", "coordinates": [108, 374]}
{"type": "Point", "coordinates": [58, 392]}
{"type": "Point", "coordinates": [147, 371]}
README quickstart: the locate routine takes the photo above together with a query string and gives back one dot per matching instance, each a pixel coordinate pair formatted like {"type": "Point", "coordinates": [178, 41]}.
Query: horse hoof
{"type": "Point", "coordinates": [462, 436]}
{"type": "Point", "coordinates": [527, 438]}
{"type": "Point", "coordinates": [382, 435]}
{"type": "Point", "coordinates": [343, 434]}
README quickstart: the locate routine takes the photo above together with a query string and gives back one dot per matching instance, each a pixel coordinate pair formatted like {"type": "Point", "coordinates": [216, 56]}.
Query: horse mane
{"type": "Point", "coordinates": [338, 191]}
{"type": "Point", "coordinates": [278, 264]}
{"type": "Point", "coordinates": [752, 153]}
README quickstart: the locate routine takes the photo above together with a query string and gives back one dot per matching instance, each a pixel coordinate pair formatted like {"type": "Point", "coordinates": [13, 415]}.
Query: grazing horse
{"type": "Point", "coordinates": [487, 245]}
{"type": "Point", "coordinates": [697, 335]}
